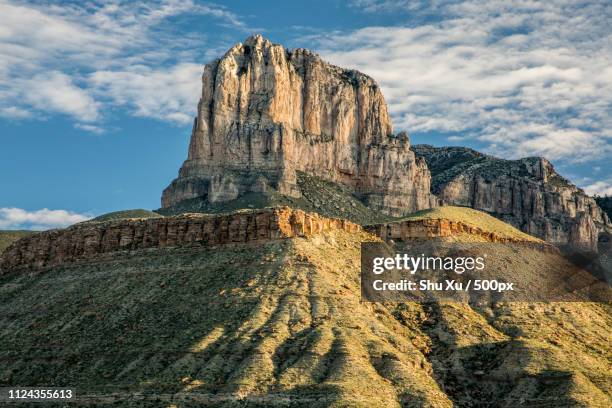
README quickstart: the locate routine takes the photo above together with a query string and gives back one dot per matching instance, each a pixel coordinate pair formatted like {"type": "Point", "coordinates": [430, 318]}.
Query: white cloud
{"type": "Point", "coordinates": [601, 188]}
{"type": "Point", "coordinates": [169, 94]}
{"type": "Point", "coordinates": [526, 78]}
{"type": "Point", "coordinates": [14, 112]}
{"type": "Point", "coordinates": [55, 91]}
{"type": "Point", "coordinates": [17, 218]}
{"type": "Point", "coordinates": [546, 140]}
{"type": "Point", "coordinates": [48, 51]}
{"type": "Point", "coordinates": [90, 128]}
{"type": "Point", "coordinates": [373, 6]}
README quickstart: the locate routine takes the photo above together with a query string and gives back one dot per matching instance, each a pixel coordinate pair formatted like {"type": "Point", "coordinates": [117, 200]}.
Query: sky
{"type": "Point", "coordinates": [97, 98]}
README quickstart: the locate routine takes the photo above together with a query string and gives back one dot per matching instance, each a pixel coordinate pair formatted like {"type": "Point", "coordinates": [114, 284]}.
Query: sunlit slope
{"type": "Point", "coordinates": [281, 324]}
{"type": "Point", "coordinates": [8, 237]}
{"type": "Point", "coordinates": [256, 322]}
{"type": "Point", "coordinates": [125, 214]}
{"type": "Point", "coordinates": [472, 217]}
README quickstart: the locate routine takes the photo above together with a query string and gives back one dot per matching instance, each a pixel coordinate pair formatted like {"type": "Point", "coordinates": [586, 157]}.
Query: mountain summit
{"type": "Point", "coordinates": [527, 193]}
{"type": "Point", "coordinates": [283, 127]}
{"type": "Point", "coordinates": [267, 113]}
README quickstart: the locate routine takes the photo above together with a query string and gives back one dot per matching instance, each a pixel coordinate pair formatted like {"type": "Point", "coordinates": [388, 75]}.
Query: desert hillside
{"type": "Point", "coordinates": [8, 237]}
{"type": "Point", "coordinates": [280, 323]}
{"type": "Point", "coordinates": [246, 290]}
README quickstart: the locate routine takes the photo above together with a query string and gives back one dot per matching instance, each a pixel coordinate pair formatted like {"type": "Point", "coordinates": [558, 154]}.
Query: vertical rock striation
{"type": "Point", "coordinates": [90, 239]}
{"type": "Point", "coordinates": [267, 112]}
{"type": "Point", "coordinates": [527, 193]}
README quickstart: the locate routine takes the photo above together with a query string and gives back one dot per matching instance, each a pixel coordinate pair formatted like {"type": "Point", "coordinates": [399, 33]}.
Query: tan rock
{"type": "Point", "coordinates": [85, 241]}
{"type": "Point", "coordinates": [266, 112]}
{"type": "Point", "coordinates": [527, 193]}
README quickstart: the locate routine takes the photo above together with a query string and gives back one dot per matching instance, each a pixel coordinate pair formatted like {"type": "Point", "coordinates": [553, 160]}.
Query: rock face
{"type": "Point", "coordinates": [414, 230]}
{"type": "Point", "coordinates": [605, 203]}
{"type": "Point", "coordinates": [86, 240]}
{"type": "Point", "coordinates": [267, 112]}
{"type": "Point", "coordinates": [527, 193]}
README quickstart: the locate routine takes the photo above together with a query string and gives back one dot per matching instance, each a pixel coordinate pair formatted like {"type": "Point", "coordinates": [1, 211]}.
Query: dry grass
{"type": "Point", "coordinates": [8, 237]}
{"type": "Point", "coordinates": [473, 217]}
{"type": "Point", "coordinates": [282, 324]}
{"type": "Point", "coordinates": [125, 214]}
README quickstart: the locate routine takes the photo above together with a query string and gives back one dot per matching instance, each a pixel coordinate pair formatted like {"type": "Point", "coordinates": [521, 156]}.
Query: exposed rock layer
{"type": "Point", "coordinates": [87, 240]}
{"type": "Point", "coordinates": [55, 247]}
{"type": "Point", "coordinates": [266, 112]}
{"type": "Point", "coordinates": [527, 193]}
{"type": "Point", "coordinates": [408, 230]}
{"type": "Point", "coordinates": [282, 324]}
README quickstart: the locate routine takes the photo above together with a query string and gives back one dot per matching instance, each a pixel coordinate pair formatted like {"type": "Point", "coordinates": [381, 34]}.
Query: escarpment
{"type": "Point", "coordinates": [527, 193]}
{"type": "Point", "coordinates": [84, 241]}
{"type": "Point", "coordinates": [267, 112]}
{"type": "Point", "coordinates": [409, 230]}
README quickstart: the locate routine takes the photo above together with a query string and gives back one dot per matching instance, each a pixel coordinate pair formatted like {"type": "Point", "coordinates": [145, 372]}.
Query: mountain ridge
{"type": "Point", "coordinates": [281, 323]}
{"type": "Point", "coordinates": [268, 114]}
{"type": "Point", "coordinates": [87, 241]}
{"type": "Point", "coordinates": [527, 193]}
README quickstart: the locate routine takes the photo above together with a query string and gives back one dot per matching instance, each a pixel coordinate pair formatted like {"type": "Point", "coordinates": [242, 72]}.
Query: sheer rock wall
{"type": "Point", "coordinates": [527, 193]}
{"type": "Point", "coordinates": [266, 112]}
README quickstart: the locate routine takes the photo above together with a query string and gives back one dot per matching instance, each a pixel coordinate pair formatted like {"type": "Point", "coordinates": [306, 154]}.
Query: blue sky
{"type": "Point", "coordinates": [97, 98]}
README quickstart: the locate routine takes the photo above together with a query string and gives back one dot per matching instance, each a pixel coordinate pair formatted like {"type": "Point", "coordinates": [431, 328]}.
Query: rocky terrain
{"type": "Point", "coordinates": [8, 237]}
{"type": "Point", "coordinates": [87, 240]}
{"type": "Point", "coordinates": [316, 195]}
{"type": "Point", "coordinates": [444, 222]}
{"type": "Point", "coordinates": [243, 290]}
{"type": "Point", "coordinates": [280, 322]}
{"type": "Point", "coordinates": [267, 112]}
{"type": "Point", "coordinates": [605, 203]}
{"type": "Point", "coordinates": [273, 122]}
{"type": "Point", "coordinates": [527, 193]}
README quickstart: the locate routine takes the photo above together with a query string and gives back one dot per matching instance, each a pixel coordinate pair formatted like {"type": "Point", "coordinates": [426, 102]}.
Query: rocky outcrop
{"type": "Point", "coordinates": [411, 230]}
{"type": "Point", "coordinates": [267, 112]}
{"type": "Point", "coordinates": [605, 203]}
{"type": "Point", "coordinates": [527, 193]}
{"type": "Point", "coordinates": [86, 240]}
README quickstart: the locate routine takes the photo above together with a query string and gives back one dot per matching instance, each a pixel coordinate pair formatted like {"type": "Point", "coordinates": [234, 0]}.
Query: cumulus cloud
{"type": "Point", "coordinates": [602, 188]}
{"type": "Point", "coordinates": [525, 78]}
{"type": "Point", "coordinates": [51, 53]}
{"type": "Point", "coordinates": [166, 93]}
{"type": "Point", "coordinates": [521, 77]}
{"type": "Point", "coordinates": [17, 218]}
{"type": "Point", "coordinates": [55, 91]}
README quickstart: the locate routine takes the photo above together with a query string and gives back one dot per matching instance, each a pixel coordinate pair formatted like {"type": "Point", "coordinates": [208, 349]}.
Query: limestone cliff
{"type": "Point", "coordinates": [267, 112]}
{"type": "Point", "coordinates": [85, 241]}
{"type": "Point", "coordinates": [527, 193]}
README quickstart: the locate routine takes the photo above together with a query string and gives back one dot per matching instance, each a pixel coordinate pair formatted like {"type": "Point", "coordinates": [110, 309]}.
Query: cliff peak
{"type": "Point", "coordinates": [258, 41]}
{"type": "Point", "coordinates": [527, 193]}
{"type": "Point", "coordinates": [267, 112]}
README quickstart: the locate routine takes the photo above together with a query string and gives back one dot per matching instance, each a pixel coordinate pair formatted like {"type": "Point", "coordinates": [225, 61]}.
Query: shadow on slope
{"type": "Point", "coordinates": [478, 362]}
{"type": "Point", "coordinates": [318, 195]}
{"type": "Point", "coordinates": [271, 324]}
{"type": "Point", "coordinates": [282, 324]}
